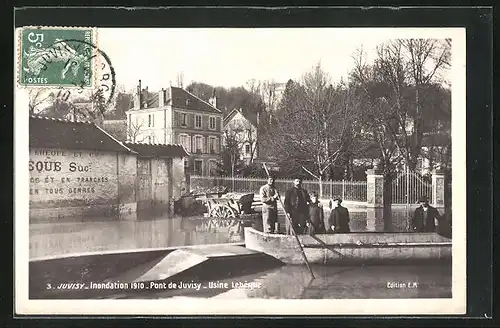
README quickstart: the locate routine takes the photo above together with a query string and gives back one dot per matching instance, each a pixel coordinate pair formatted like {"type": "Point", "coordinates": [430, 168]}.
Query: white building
{"type": "Point", "coordinates": [243, 128]}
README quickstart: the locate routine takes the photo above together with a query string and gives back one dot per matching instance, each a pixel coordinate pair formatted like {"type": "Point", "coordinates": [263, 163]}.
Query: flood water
{"type": "Point", "coordinates": [79, 235]}
{"type": "Point", "coordinates": [331, 282]}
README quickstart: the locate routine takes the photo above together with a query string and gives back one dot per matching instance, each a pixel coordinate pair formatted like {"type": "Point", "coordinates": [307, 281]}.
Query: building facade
{"type": "Point", "coordinates": [176, 116]}
{"type": "Point", "coordinates": [242, 128]}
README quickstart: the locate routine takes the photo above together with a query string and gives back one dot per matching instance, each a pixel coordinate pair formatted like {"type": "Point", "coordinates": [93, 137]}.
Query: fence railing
{"type": "Point", "coordinates": [348, 190]}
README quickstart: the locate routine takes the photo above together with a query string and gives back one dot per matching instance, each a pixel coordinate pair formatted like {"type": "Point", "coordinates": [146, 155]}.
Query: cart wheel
{"type": "Point", "coordinates": [222, 211]}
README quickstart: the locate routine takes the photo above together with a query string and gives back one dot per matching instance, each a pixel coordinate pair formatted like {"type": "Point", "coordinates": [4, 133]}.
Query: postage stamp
{"type": "Point", "coordinates": [57, 57]}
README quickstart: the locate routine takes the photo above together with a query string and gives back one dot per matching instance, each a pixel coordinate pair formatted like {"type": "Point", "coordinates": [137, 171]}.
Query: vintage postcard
{"type": "Point", "coordinates": [267, 171]}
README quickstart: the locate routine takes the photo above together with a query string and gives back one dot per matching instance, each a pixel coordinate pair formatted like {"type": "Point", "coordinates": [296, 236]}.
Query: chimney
{"type": "Point", "coordinates": [161, 98]}
{"type": "Point", "coordinates": [138, 97]}
{"type": "Point", "coordinates": [213, 100]}
{"type": "Point", "coordinates": [144, 97]}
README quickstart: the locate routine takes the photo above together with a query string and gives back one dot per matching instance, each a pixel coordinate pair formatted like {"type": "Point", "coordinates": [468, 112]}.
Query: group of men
{"type": "Point", "coordinates": [305, 213]}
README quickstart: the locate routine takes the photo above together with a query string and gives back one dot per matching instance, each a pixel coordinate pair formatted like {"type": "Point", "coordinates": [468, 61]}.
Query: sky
{"type": "Point", "coordinates": [231, 57]}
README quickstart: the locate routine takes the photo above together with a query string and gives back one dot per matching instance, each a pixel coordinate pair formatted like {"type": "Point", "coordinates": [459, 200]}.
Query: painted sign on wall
{"type": "Point", "coordinates": [60, 177]}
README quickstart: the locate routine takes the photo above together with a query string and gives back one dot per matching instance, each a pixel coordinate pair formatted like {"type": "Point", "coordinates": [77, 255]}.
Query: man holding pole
{"type": "Point", "coordinates": [269, 195]}
{"type": "Point", "coordinates": [297, 206]}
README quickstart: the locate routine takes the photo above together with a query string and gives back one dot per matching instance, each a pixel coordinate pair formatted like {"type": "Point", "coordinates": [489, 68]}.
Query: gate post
{"type": "Point", "coordinates": [374, 188]}
{"type": "Point", "coordinates": [438, 188]}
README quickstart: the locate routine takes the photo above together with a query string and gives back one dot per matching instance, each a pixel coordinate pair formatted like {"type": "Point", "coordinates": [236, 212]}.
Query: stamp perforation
{"type": "Point", "coordinates": [19, 49]}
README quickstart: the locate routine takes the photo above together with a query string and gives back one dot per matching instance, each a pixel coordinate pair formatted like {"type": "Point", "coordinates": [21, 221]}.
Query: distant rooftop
{"type": "Point", "coordinates": [183, 99]}
{"type": "Point", "coordinates": [47, 132]}
{"type": "Point", "coordinates": [251, 117]}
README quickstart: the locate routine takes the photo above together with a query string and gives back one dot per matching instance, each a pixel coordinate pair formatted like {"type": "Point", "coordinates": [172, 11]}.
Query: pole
{"type": "Point", "coordinates": [343, 189]}
{"type": "Point", "coordinates": [408, 195]}
{"type": "Point", "coordinates": [293, 230]}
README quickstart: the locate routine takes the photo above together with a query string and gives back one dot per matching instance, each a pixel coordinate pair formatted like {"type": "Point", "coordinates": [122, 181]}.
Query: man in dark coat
{"type": "Point", "coordinates": [296, 205]}
{"type": "Point", "coordinates": [425, 217]}
{"type": "Point", "coordinates": [338, 221]}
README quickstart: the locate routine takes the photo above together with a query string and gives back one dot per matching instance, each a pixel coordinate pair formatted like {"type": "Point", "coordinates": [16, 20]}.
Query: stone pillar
{"type": "Point", "coordinates": [374, 188]}
{"type": "Point", "coordinates": [438, 188]}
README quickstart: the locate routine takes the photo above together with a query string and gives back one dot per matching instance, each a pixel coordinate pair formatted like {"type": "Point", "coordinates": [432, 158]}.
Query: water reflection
{"type": "Point", "coordinates": [77, 235]}
{"type": "Point", "coordinates": [48, 239]}
{"type": "Point", "coordinates": [294, 282]}
{"type": "Point", "coordinates": [374, 220]}
{"type": "Point", "coordinates": [290, 282]}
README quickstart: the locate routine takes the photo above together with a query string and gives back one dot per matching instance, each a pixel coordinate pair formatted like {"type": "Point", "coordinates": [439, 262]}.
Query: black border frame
{"type": "Point", "coordinates": [479, 25]}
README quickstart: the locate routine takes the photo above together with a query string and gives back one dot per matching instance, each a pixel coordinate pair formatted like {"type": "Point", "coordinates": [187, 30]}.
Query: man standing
{"type": "Point", "coordinates": [268, 196]}
{"type": "Point", "coordinates": [296, 205]}
{"type": "Point", "coordinates": [338, 221]}
{"type": "Point", "coordinates": [425, 217]}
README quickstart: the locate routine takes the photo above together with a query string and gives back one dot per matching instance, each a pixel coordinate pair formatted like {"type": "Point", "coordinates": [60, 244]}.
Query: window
{"type": "Point", "coordinates": [247, 149]}
{"type": "Point", "coordinates": [199, 144]}
{"type": "Point", "coordinates": [198, 167]}
{"type": "Point", "coordinates": [183, 119]}
{"type": "Point", "coordinates": [186, 165]}
{"type": "Point", "coordinates": [184, 141]}
{"type": "Point", "coordinates": [212, 123]}
{"type": "Point", "coordinates": [212, 144]}
{"type": "Point", "coordinates": [197, 121]}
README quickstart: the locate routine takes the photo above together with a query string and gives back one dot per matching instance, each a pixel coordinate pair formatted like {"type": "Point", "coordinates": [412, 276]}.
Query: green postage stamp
{"type": "Point", "coordinates": [56, 56]}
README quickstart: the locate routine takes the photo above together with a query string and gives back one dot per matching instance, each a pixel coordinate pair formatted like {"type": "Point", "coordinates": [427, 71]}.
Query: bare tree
{"type": "Point", "coordinates": [314, 126]}
{"type": "Point", "coordinates": [407, 67]}
{"type": "Point", "coordinates": [392, 90]}
{"type": "Point", "coordinates": [134, 132]}
{"type": "Point", "coordinates": [232, 149]}
{"type": "Point", "coordinates": [267, 90]}
{"type": "Point", "coordinates": [376, 92]}
{"type": "Point", "coordinates": [180, 79]}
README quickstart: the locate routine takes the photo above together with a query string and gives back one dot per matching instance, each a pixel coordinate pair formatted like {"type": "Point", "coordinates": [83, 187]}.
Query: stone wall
{"type": "Point", "coordinates": [68, 183]}
{"type": "Point", "coordinates": [77, 182]}
{"type": "Point", "coordinates": [374, 189]}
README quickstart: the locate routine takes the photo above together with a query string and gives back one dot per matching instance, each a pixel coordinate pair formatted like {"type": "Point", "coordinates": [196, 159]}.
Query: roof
{"type": "Point", "coordinates": [157, 150]}
{"type": "Point", "coordinates": [47, 132]}
{"type": "Point", "coordinates": [251, 117]}
{"type": "Point", "coordinates": [183, 99]}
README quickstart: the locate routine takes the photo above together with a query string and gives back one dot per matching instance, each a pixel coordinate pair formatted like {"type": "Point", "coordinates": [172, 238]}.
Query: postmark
{"type": "Point", "coordinates": [57, 57]}
{"type": "Point", "coordinates": [104, 74]}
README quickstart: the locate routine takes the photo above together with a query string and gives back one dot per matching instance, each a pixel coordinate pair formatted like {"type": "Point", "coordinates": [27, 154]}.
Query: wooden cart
{"type": "Point", "coordinates": [230, 206]}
